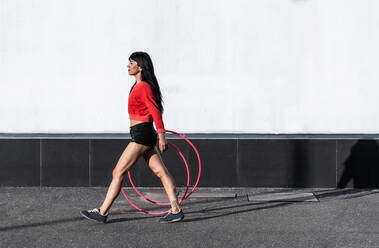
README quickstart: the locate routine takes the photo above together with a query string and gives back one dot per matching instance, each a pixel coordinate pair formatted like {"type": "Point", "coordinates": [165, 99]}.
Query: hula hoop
{"type": "Point", "coordinates": [158, 203]}
{"type": "Point", "coordinates": [198, 159]}
{"type": "Point", "coordinates": [185, 196]}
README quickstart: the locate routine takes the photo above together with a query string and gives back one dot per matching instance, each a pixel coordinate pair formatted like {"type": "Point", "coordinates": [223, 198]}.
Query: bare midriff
{"type": "Point", "coordinates": [135, 122]}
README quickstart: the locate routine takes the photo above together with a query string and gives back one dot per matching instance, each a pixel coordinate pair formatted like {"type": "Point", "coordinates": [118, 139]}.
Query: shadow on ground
{"type": "Point", "coordinates": [211, 208]}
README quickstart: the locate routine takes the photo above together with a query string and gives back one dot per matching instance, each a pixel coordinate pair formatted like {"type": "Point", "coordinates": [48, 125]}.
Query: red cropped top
{"type": "Point", "coordinates": [142, 106]}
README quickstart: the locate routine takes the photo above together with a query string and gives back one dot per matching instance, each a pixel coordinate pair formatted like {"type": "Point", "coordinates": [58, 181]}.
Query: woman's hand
{"type": "Point", "coordinates": [162, 142]}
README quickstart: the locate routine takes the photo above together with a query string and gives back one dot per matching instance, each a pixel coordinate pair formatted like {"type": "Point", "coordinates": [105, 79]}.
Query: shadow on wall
{"type": "Point", "coordinates": [301, 166]}
{"type": "Point", "coordinates": [362, 165]}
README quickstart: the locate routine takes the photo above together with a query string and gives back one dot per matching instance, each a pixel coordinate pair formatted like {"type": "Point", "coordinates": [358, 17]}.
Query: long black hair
{"type": "Point", "coordinates": [144, 61]}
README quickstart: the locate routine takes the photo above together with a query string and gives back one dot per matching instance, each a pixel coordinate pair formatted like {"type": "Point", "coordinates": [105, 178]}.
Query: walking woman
{"type": "Point", "coordinates": [144, 107]}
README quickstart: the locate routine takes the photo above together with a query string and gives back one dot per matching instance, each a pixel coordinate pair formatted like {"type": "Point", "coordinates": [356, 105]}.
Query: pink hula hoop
{"type": "Point", "coordinates": [188, 180]}
{"type": "Point", "coordinates": [185, 195]}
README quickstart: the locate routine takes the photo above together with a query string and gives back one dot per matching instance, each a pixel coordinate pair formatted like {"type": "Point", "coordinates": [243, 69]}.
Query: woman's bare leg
{"type": "Point", "coordinates": [130, 155]}
{"type": "Point", "coordinates": [154, 160]}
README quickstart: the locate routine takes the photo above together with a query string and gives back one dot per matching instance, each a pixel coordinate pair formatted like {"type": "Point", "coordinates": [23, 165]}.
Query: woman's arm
{"type": "Point", "coordinates": [151, 104]}
{"type": "Point", "coordinates": [162, 142]}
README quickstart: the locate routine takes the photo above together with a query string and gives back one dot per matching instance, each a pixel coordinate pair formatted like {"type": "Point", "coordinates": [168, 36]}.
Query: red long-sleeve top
{"type": "Point", "coordinates": [142, 106]}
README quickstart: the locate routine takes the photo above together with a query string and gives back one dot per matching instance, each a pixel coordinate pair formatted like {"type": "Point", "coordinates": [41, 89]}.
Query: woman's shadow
{"type": "Point", "coordinates": [362, 166]}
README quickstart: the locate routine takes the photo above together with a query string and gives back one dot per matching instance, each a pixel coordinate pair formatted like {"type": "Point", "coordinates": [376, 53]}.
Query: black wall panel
{"type": "Point", "coordinates": [104, 155]}
{"type": "Point", "coordinates": [264, 163]}
{"type": "Point", "coordinates": [19, 162]}
{"type": "Point", "coordinates": [229, 162]}
{"type": "Point", "coordinates": [65, 162]}
{"type": "Point", "coordinates": [358, 163]}
{"type": "Point", "coordinates": [218, 159]}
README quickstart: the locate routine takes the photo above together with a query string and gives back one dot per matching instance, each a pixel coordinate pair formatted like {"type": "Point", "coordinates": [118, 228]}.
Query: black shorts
{"type": "Point", "coordinates": [144, 134]}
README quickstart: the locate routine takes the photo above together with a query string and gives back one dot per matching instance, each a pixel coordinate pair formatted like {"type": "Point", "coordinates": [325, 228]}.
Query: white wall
{"type": "Point", "coordinates": [268, 66]}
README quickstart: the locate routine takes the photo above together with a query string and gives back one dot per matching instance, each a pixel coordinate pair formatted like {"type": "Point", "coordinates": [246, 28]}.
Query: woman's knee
{"type": "Point", "coordinates": [117, 174]}
{"type": "Point", "coordinates": [161, 173]}
{"type": "Point", "coordinates": [166, 177]}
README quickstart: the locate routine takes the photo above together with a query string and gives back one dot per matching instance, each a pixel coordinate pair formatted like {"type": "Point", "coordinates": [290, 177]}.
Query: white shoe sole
{"type": "Point", "coordinates": [174, 220]}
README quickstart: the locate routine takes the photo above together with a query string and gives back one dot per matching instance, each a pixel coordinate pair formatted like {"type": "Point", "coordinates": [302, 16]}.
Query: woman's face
{"type": "Point", "coordinates": [133, 68]}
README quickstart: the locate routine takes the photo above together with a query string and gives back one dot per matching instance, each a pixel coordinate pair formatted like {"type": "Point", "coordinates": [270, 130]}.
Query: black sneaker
{"type": "Point", "coordinates": [170, 217]}
{"type": "Point", "coordinates": [95, 215]}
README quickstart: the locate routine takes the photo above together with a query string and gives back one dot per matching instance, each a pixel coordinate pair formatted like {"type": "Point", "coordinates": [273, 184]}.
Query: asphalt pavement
{"type": "Point", "coordinates": [214, 217]}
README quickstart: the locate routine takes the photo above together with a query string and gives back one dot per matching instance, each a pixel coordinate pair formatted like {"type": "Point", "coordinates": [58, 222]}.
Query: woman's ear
{"type": "Point", "coordinates": [139, 68]}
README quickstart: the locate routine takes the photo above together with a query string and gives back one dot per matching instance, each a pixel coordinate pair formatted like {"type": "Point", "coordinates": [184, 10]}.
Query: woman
{"type": "Point", "coordinates": [144, 107]}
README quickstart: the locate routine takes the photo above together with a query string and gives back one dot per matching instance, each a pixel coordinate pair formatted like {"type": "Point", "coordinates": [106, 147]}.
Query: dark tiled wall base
{"type": "Point", "coordinates": [64, 162]}
{"type": "Point", "coordinates": [358, 164]}
{"type": "Point", "coordinates": [19, 162]}
{"type": "Point", "coordinates": [287, 163]}
{"type": "Point", "coordinates": [219, 162]}
{"type": "Point", "coordinates": [104, 155]}
{"type": "Point", "coordinates": [225, 162]}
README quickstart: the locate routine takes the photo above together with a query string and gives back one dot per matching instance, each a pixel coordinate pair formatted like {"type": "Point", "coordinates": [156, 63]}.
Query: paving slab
{"type": "Point", "coordinates": [160, 195]}
{"type": "Point", "coordinates": [283, 197]}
